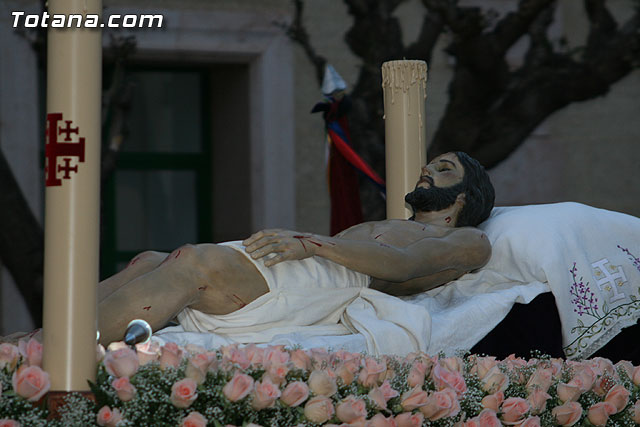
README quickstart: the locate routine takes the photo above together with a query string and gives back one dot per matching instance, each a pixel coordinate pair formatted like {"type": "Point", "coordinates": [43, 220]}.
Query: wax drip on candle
{"type": "Point", "coordinates": [401, 76]}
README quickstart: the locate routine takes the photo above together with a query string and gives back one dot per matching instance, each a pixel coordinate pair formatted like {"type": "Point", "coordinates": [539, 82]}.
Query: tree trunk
{"type": "Point", "coordinates": [21, 242]}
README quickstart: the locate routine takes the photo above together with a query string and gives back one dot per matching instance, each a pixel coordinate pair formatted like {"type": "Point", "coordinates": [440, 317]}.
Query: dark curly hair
{"type": "Point", "coordinates": [479, 192]}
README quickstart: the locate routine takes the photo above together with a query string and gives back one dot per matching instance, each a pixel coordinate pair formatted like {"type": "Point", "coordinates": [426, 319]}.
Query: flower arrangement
{"type": "Point", "coordinates": [252, 386]}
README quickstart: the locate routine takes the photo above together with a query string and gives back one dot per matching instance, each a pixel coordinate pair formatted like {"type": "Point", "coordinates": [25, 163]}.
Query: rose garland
{"type": "Point", "coordinates": [272, 386]}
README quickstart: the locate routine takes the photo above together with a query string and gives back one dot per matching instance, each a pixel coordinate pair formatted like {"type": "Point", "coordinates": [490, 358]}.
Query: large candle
{"type": "Point", "coordinates": [404, 88]}
{"type": "Point", "coordinates": [72, 196]}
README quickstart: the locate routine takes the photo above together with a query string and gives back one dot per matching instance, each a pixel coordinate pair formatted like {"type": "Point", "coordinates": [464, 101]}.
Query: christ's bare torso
{"type": "Point", "coordinates": [402, 233]}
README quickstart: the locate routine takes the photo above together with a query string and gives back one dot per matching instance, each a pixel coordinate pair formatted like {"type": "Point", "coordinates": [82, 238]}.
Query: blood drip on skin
{"type": "Point", "coordinates": [378, 236]}
{"type": "Point", "coordinates": [133, 261]}
{"type": "Point", "coordinates": [202, 288]}
{"type": "Point", "coordinates": [147, 308]}
{"type": "Point", "coordinates": [301, 239]}
{"type": "Point", "coordinates": [173, 255]}
{"type": "Point", "coordinates": [242, 303]}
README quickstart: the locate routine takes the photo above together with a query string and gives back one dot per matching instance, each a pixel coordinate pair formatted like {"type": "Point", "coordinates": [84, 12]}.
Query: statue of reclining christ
{"type": "Point", "coordinates": [235, 283]}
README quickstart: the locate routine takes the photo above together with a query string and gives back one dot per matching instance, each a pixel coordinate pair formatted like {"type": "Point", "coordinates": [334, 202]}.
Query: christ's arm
{"type": "Point", "coordinates": [462, 250]}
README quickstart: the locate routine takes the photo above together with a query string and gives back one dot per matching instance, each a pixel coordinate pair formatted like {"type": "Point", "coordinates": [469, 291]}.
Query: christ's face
{"type": "Point", "coordinates": [439, 185]}
{"type": "Point", "coordinates": [443, 171]}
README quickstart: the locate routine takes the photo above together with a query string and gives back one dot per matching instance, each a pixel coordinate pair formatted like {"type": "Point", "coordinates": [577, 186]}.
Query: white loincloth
{"type": "Point", "coordinates": [317, 297]}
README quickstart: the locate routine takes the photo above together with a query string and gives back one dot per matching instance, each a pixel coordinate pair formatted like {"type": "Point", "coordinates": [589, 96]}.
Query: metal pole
{"type": "Point", "coordinates": [72, 197]}
{"type": "Point", "coordinates": [404, 85]}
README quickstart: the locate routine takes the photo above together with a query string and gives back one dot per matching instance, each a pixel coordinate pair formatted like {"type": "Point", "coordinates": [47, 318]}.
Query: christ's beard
{"type": "Point", "coordinates": [433, 199]}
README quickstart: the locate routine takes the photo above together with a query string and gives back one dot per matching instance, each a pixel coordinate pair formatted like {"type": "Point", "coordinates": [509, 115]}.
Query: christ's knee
{"type": "Point", "coordinates": [147, 260]}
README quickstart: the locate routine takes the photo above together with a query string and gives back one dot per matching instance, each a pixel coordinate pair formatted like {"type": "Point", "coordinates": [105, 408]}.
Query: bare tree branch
{"type": "Point", "coordinates": [465, 22]}
{"type": "Point", "coordinates": [540, 48]}
{"type": "Point", "coordinates": [298, 33]}
{"type": "Point", "coordinates": [422, 48]}
{"type": "Point", "coordinates": [516, 24]}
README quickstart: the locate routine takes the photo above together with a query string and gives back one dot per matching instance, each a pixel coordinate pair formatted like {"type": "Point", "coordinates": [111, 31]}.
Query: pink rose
{"type": "Point", "coordinates": [295, 393]}
{"type": "Point", "coordinates": [486, 418]}
{"type": "Point", "coordinates": [556, 367]}
{"type": "Point", "coordinates": [277, 373]}
{"type": "Point", "coordinates": [407, 419]}
{"type": "Point", "coordinates": [583, 378]}
{"type": "Point", "coordinates": [275, 355]}
{"type": "Point", "coordinates": [598, 413]}
{"type": "Point", "coordinates": [635, 376]}
{"type": "Point", "coordinates": [9, 423]}
{"type": "Point", "coordinates": [254, 354]}
{"type": "Point", "coordinates": [413, 399]}
{"type": "Point", "coordinates": [388, 391]}
{"type": "Point", "coordinates": [198, 366]}
{"type": "Point", "coordinates": [441, 404]}
{"type": "Point", "coordinates": [493, 401]}
{"type": "Point", "coordinates": [124, 389]}
{"type": "Point", "coordinates": [377, 397]}
{"type": "Point", "coordinates": [235, 355]}
{"type": "Point", "coordinates": [301, 359]}
{"type": "Point", "coordinates": [567, 414]}
{"type": "Point", "coordinates": [381, 395]}
{"type": "Point", "coordinates": [9, 355]}
{"type": "Point", "coordinates": [30, 382]}
{"type": "Point", "coordinates": [319, 409]}
{"type": "Point", "coordinates": [444, 378]}
{"type": "Point", "coordinates": [183, 393]}
{"type": "Point", "coordinates": [380, 420]}
{"type": "Point", "coordinates": [635, 412]}
{"type": "Point", "coordinates": [121, 363]}
{"type": "Point", "coordinates": [600, 366]}
{"type": "Point", "coordinates": [108, 417]}
{"type": "Point", "coordinates": [483, 365]}
{"type": "Point", "coordinates": [321, 383]}
{"type": "Point", "coordinates": [170, 355]}
{"type": "Point", "coordinates": [238, 387]}
{"type": "Point", "coordinates": [495, 381]}
{"type": "Point", "coordinates": [531, 422]}
{"type": "Point", "coordinates": [265, 394]}
{"type": "Point", "coordinates": [538, 401]}
{"type": "Point", "coordinates": [454, 364]}
{"type": "Point", "coordinates": [372, 373]}
{"type": "Point", "coordinates": [194, 419]}
{"type": "Point", "coordinates": [568, 392]}
{"type": "Point", "coordinates": [618, 396]}
{"type": "Point", "coordinates": [417, 373]}
{"type": "Point", "coordinates": [31, 351]}
{"type": "Point", "coordinates": [602, 385]}
{"type": "Point", "coordinates": [320, 356]}
{"type": "Point", "coordinates": [346, 371]}
{"type": "Point", "coordinates": [148, 352]}
{"type": "Point", "coordinates": [541, 379]}
{"type": "Point", "coordinates": [514, 409]}
{"type": "Point", "coordinates": [351, 410]}
{"type": "Point", "coordinates": [513, 365]}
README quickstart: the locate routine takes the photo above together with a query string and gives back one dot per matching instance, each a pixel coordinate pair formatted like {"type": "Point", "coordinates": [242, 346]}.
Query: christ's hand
{"type": "Point", "coordinates": [285, 245]}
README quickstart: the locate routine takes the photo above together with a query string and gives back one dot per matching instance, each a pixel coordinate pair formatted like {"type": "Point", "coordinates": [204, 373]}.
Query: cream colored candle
{"type": "Point", "coordinates": [404, 85]}
{"type": "Point", "coordinates": [72, 197]}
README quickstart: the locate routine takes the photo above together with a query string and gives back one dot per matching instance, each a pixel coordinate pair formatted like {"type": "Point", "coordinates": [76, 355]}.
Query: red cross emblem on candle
{"type": "Point", "coordinates": [65, 149]}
